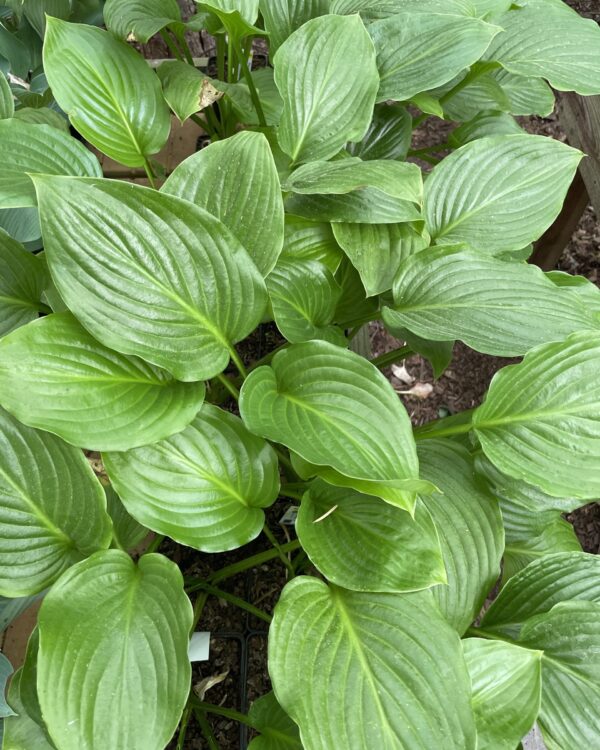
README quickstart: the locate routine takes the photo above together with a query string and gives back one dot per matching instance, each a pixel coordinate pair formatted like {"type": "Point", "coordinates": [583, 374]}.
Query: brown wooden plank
{"type": "Point", "coordinates": [580, 118]}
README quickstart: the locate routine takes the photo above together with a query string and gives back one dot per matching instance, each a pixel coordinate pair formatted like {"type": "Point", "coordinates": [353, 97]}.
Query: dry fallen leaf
{"type": "Point", "coordinates": [402, 374]}
{"type": "Point", "coordinates": [202, 687]}
{"type": "Point", "coordinates": [419, 390]}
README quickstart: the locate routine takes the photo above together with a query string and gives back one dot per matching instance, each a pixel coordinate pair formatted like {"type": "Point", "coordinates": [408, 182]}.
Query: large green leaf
{"type": "Point", "coordinates": [482, 126]}
{"type": "Point", "coordinates": [364, 670]}
{"type": "Point", "coordinates": [205, 487]}
{"type": "Point", "coordinates": [535, 590]}
{"type": "Point", "coordinates": [352, 190]}
{"type": "Point", "coordinates": [43, 116]}
{"type": "Point", "coordinates": [138, 20]}
{"type": "Point", "coordinates": [15, 52]}
{"type": "Point", "coordinates": [419, 51]}
{"type": "Point", "coordinates": [23, 225]}
{"type": "Point", "coordinates": [499, 193]}
{"type": "Point", "coordinates": [150, 274]}
{"type": "Point", "coordinates": [540, 421]}
{"type": "Point", "coordinates": [114, 643]}
{"type": "Point", "coordinates": [526, 96]}
{"type": "Point", "coordinates": [56, 377]}
{"type": "Point", "coordinates": [277, 730]}
{"type": "Point", "coordinates": [376, 9]}
{"type": "Point", "coordinates": [377, 251]}
{"type": "Point", "coordinates": [336, 410]}
{"type": "Point", "coordinates": [186, 89]}
{"type": "Point", "coordinates": [569, 636]}
{"type": "Point", "coordinates": [327, 75]}
{"type": "Point", "coordinates": [304, 298]}
{"type": "Point", "coordinates": [364, 544]}
{"type": "Point", "coordinates": [92, 76]}
{"type": "Point", "coordinates": [7, 100]}
{"type": "Point", "coordinates": [528, 46]}
{"type": "Point", "coordinates": [247, 9]}
{"type": "Point", "coordinates": [36, 11]}
{"type": "Point", "coordinates": [127, 532]}
{"type": "Point", "coordinates": [306, 240]}
{"type": "Point", "coordinates": [270, 100]}
{"type": "Point", "coordinates": [236, 180]}
{"type": "Point", "coordinates": [507, 689]}
{"type": "Point", "coordinates": [22, 283]}
{"type": "Point", "coordinates": [22, 732]}
{"type": "Point", "coordinates": [470, 527]}
{"type": "Point", "coordinates": [354, 306]}
{"type": "Point", "coordinates": [38, 149]}
{"type": "Point", "coordinates": [5, 672]}
{"type": "Point", "coordinates": [52, 509]}
{"type": "Point", "coordinates": [388, 136]}
{"type": "Point", "coordinates": [448, 293]}
{"type": "Point", "coordinates": [283, 17]}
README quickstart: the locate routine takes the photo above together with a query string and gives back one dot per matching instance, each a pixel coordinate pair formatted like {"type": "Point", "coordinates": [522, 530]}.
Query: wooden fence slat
{"type": "Point", "coordinates": [580, 119]}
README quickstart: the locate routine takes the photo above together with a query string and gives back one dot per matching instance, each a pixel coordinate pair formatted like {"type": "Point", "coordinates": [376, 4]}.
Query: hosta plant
{"type": "Point", "coordinates": [124, 310]}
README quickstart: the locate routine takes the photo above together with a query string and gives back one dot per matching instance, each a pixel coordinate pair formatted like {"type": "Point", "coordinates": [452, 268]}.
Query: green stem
{"type": "Point", "coordinates": [220, 57]}
{"type": "Point", "coordinates": [229, 385]}
{"type": "Point", "coordinates": [474, 632]}
{"type": "Point", "coordinates": [227, 713]}
{"type": "Point", "coordinates": [206, 729]}
{"type": "Point", "coordinates": [155, 544]}
{"type": "Point", "coordinates": [237, 361]}
{"type": "Point", "coordinates": [236, 601]}
{"type": "Point", "coordinates": [283, 459]}
{"type": "Point", "coordinates": [150, 173]}
{"type": "Point", "coordinates": [183, 726]}
{"type": "Point", "coordinates": [394, 356]}
{"type": "Point", "coordinates": [193, 584]}
{"type": "Point", "coordinates": [171, 45]}
{"type": "Point", "coordinates": [204, 124]}
{"type": "Point", "coordinates": [284, 559]}
{"type": "Point", "coordinates": [267, 358]}
{"type": "Point", "coordinates": [477, 70]}
{"type": "Point", "coordinates": [457, 424]}
{"type": "Point", "coordinates": [247, 73]}
{"type": "Point", "coordinates": [184, 46]}
{"type": "Point", "coordinates": [230, 61]}
{"type": "Point", "coordinates": [199, 605]}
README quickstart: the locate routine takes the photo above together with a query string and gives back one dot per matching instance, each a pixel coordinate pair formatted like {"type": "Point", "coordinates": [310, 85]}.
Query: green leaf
{"type": "Point", "coordinates": [186, 89]}
{"type": "Point", "coordinates": [304, 298]}
{"type": "Point", "coordinates": [447, 293]}
{"type": "Point", "coordinates": [376, 9]}
{"type": "Point", "coordinates": [35, 12]}
{"type": "Point", "coordinates": [388, 136]}
{"type": "Point", "coordinates": [138, 20]}
{"type": "Point", "coordinates": [569, 636]}
{"type": "Point", "coordinates": [356, 191]}
{"type": "Point", "coordinates": [205, 487]}
{"type": "Point", "coordinates": [336, 410]}
{"type": "Point", "coordinates": [420, 51]}
{"type": "Point", "coordinates": [540, 421]}
{"type": "Point", "coordinates": [22, 283]}
{"type": "Point", "coordinates": [268, 93]}
{"type": "Point", "coordinates": [15, 52]}
{"type": "Point", "coordinates": [510, 490]}
{"type": "Point", "coordinates": [7, 100]}
{"type": "Point", "coordinates": [544, 583]}
{"type": "Point", "coordinates": [283, 17]}
{"type": "Point", "coordinates": [438, 353]}
{"type": "Point", "coordinates": [52, 510]}
{"type": "Point", "coordinates": [42, 116]}
{"type": "Point", "coordinates": [22, 732]}
{"type": "Point", "coordinates": [41, 149]}
{"type": "Point", "coordinates": [470, 527]}
{"type": "Point", "coordinates": [56, 377]}
{"type": "Point", "coordinates": [92, 76]}
{"type": "Point", "coordinates": [531, 535]}
{"type": "Point", "coordinates": [247, 9]}
{"type": "Point", "coordinates": [507, 688]}
{"type": "Point", "coordinates": [482, 126]}
{"type": "Point", "coordinates": [526, 96]}
{"type": "Point", "coordinates": [236, 180]}
{"type": "Point", "coordinates": [364, 544]}
{"type": "Point", "coordinates": [354, 306]}
{"type": "Point", "coordinates": [306, 240]}
{"type": "Point", "coordinates": [480, 95]}
{"type": "Point", "coordinates": [23, 225]}
{"type": "Point", "coordinates": [127, 658]}
{"type": "Point", "coordinates": [277, 730]}
{"type": "Point", "coordinates": [127, 532]}
{"type": "Point", "coordinates": [364, 670]}
{"type": "Point", "coordinates": [331, 60]}
{"type": "Point", "coordinates": [527, 46]}
{"type": "Point", "coordinates": [377, 251]}
{"type": "Point", "coordinates": [5, 672]}
{"type": "Point", "coordinates": [163, 283]}
{"type": "Point", "coordinates": [583, 288]}
{"type": "Point", "coordinates": [500, 193]}
{"type": "Point", "coordinates": [11, 609]}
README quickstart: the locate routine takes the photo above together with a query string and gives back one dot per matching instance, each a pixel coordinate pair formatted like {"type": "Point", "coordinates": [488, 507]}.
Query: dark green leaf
{"type": "Point", "coordinates": [277, 730]}
{"type": "Point", "coordinates": [389, 134]}
{"type": "Point", "coordinates": [22, 283]}
{"type": "Point", "coordinates": [283, 17]}
{"type": "Point", "coordinates": [138, 20]}
{"type": "Point", "coordinates": [127, 532]}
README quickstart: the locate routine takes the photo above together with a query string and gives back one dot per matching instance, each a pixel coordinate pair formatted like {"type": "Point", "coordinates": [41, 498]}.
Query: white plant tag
{"type": "Point", "coordinates": [199, 647]}
{"type": "Point", "coordinates": [289, 517]}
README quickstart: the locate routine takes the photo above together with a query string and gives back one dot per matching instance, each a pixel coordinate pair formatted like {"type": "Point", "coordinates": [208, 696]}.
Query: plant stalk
{"type": "Point", "coordinates": [282, 556]}
{"type": "Point", "coordinates": [236, 601]}
{"type": "Point", "coordinates": [247, 73]}
{"type": "Point", "coordinates": [391, 357]}
{"type": "Point", "coordinates": [227, 713]}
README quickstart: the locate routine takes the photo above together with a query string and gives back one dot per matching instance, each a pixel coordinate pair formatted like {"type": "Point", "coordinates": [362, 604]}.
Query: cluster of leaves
{"type": "Point", "coordinates": [120, 337]}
